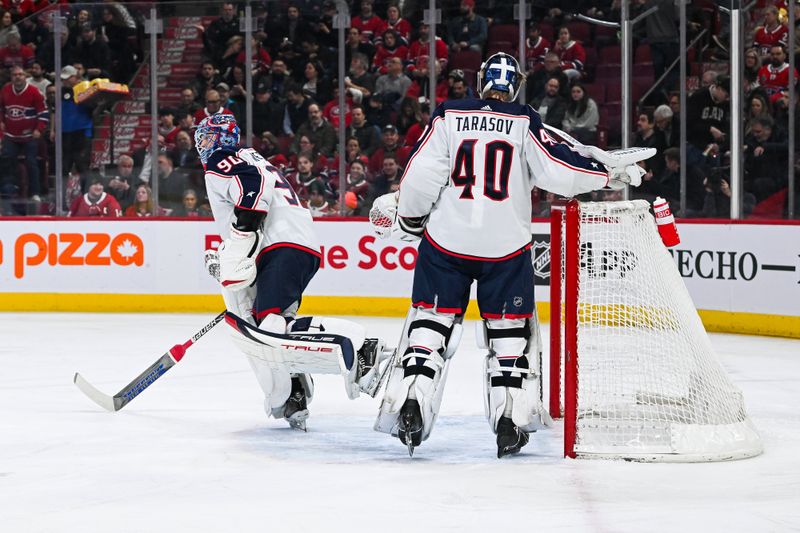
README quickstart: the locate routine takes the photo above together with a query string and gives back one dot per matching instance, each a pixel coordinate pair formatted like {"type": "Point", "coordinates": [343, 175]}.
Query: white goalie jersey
{"type": "Point", "coordinates": [245, 180]}
{"type": "Point", "coordinates": [474, 159]}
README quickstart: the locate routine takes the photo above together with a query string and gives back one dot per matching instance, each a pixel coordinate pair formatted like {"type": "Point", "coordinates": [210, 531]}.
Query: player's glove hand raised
{"type": "Point", "coordinates": [237, 259]}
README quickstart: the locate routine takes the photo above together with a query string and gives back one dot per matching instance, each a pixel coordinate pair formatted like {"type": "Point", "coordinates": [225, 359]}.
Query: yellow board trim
{"type": "Point", "coordinates": [714, 321]}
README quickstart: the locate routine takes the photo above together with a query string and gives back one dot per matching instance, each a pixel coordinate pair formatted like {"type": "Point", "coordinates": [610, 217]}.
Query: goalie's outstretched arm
{"type": "Point", "coordinates": [557, 168]}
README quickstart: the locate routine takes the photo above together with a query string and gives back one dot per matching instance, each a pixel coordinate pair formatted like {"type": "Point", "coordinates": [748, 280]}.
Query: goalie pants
{"type": "Point", "coordinates": [283, 274]}
{"type": "Point", "coordinates": [442, 281]}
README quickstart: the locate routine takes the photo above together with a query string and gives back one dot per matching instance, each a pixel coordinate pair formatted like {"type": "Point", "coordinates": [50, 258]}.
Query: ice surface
{"type": "Point", "coordinates": [195, 452]}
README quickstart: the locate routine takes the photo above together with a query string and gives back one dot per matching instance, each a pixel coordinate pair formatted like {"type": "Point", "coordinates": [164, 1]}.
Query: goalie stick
{"type": "Point", "coordinates": [146, 378]}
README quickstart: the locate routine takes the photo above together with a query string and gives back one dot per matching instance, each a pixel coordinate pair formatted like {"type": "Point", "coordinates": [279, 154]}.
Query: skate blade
{"type": "Point", "coordinates": [410, 448]}
{"type": "Point", "coordinates": [298, 420]}
{"type": "Point", "coordinates": [503, 451]}
{"type": "Point", "coordinates": [298, 424]}
{"type": "Point", "coordinates": [508, 450]}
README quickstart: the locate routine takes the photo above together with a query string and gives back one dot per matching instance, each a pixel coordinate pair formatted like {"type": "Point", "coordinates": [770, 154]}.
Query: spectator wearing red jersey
{"type": "Point", "coordinates": [213, 107]}
{"type": "Point", "coordinates": [260, 58]}
{"type": "Point", "coordinates": [571, 54]}
{"type": "Point", "coordinates": [24, 120]}
{"type": "Point", "coordinates": [389, 48]}
{"type": "Point", "coordinates": [368, 23]}
{"type": "Point", "coordinates": [771, 33]}
{"type": "Point", "coordinates": [390, 145]}
{"type": "Point", "coordinates": [417, 57]}
{"type": "Point", "coordinates": [331, 111]}
{"type": "Point", "coordinates": [398, 24]}
{"type": "Point", "coordinates": [419, 86]}
{"type": "Point", "coordinates": [23, 8]}
{"type": "Point", "coordinates": [415, 130]}
{"type": "Point", "coordinates": [408, 116]}
{"type": "Point", "coordinates": [16, 54]}
{"type": "Point", "coordinates": [166, 124]}
{"type": "Point", "coordinates": [774, 76]}
{"type": "Point", "coordinates": [96, 202]}
{"type": "Point", "coordinates": [536, 47]}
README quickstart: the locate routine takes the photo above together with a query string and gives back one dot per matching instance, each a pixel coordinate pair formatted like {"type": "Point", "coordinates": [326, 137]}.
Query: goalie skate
{"type": "Point", "coordinates": [510, 439]}
{"type": "Point", "coordinates": [410, 425]}
{"type": "Point", "coordinates": [369, 359]}
{"type": "Point", "coordinates": [296, 409]}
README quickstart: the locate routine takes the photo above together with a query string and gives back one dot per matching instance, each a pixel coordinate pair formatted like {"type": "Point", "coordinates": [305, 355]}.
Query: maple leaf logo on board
{"type": "Point", "coordinates": [127, 250]}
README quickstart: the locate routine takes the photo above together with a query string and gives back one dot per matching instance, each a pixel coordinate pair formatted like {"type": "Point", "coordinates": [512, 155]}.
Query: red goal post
{"type": "Point", "coordinates": [632, 370]}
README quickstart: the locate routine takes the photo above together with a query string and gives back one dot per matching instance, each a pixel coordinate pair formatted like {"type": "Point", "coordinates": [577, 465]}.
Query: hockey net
{"type": "Point", "coordinates": [640, 378]}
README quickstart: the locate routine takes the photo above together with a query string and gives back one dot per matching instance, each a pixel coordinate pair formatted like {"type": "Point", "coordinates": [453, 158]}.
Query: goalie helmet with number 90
{"type": "Point", "coordinates": [500, 72]}
{"type": "Point", "coordinates": [215, 132]}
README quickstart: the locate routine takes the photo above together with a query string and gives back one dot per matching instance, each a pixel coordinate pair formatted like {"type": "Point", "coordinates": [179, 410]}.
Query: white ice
{"type": "Point", "coordinates": [195, 452]}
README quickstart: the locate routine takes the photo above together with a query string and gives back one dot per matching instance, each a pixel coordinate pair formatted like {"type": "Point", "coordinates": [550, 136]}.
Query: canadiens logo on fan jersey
{"type": "Point", "coordinates": [17, 111]}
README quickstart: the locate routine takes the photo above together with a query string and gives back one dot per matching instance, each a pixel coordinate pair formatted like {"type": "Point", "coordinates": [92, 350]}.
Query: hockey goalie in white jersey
{"type": "Point", "coordinates": [466, 193]}
{"type": "Point", "coordinates": [267, 258]}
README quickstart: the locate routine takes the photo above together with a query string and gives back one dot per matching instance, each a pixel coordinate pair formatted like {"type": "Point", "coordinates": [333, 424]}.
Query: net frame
{"type": "Point", "coordinates": [636, 414]}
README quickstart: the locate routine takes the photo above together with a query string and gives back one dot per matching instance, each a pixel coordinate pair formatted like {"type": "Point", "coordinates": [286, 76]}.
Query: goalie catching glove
{"type": "Point", "coordinates": [385, 222]}
{"type": "Point", "coordinates": [237, 259]}
{"type": "Point", "coordinates": [619, 177]}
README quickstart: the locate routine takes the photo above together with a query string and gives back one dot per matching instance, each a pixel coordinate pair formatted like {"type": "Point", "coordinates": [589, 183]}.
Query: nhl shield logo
{"type": "Point", "coordinates": [517, 301]}
{"type": "Point", "coordinates": [541, 259]}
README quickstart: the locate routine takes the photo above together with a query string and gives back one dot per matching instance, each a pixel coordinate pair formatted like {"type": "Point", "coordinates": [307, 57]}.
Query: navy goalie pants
{"type": "Point", "coordinates": [442, 280]}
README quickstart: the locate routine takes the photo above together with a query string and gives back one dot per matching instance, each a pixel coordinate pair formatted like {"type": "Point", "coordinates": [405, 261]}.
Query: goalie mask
{"type": "Point", "coordinates": [500, 72]}
{"type": "Point", "coordinates": [215, 132]}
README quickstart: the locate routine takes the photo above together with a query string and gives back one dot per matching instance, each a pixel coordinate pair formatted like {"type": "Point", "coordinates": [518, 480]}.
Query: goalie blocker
{"type": "Point", "coordinates": [316, 345]}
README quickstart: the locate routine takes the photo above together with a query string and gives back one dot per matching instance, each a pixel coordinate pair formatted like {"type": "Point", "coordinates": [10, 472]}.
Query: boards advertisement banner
{"type": "Point", "coordinates": [125, 265]}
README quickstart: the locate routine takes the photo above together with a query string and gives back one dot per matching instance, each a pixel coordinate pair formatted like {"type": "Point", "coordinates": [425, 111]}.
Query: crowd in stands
{"type": "Point", "coordinates": [573, 80]}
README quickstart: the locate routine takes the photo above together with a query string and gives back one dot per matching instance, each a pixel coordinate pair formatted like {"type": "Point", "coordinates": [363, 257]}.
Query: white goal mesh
{"type": "Point", "coordinates": [649, 385]}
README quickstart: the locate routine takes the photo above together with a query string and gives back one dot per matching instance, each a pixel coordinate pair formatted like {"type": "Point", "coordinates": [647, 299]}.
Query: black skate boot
{"type": "Point", "coordinates": [510, 439]}
{"type": "Point", "coordinates": [296, 408]}
{"type": "Point", "coordinates": [410, 425]}
{"type": "Point", "coordinates": [368, 360]}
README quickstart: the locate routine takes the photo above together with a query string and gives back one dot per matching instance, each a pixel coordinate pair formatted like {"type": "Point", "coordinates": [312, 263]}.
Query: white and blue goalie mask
{"type": "Point", "coordinates": [500, 72]}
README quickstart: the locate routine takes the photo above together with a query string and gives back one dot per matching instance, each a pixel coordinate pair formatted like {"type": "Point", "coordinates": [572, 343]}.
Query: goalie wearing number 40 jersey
{"type": "Point", "coordinates": [466, 192]}
{"type": "Point", "coordinates": [268, 255]}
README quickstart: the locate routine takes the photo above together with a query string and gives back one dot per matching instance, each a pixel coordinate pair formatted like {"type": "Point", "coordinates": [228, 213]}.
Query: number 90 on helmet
{"type": "Point", "coordinates": [500, 72]}
{"type": "Point", "coordinates": [215, 132]}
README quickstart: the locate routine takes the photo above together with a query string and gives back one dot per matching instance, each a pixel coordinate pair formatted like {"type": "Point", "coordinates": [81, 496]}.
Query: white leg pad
{"type": "Point", "coordinates": [344, 328]}
{"type": "Point", "coordinates": [276, 385]}
{"type": "Point", "coordinates": [512, 380]}
{"type": "Point", "coordinates": [295, 352]}
{"type": "Point", "coordinates": [419, 371]}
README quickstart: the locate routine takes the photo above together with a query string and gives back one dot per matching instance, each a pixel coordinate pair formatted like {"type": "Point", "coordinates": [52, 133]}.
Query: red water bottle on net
{"type": "Point", "coordinates": [666, 223]}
